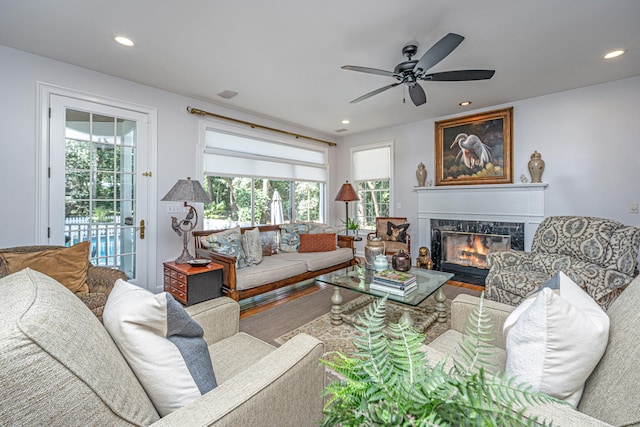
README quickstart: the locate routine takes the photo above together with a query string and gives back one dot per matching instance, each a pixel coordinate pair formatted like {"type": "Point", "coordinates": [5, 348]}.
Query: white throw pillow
{"type": "Point", "coordinates": [162, 344]}
{"type": "Point", "coordinates": [556, 339]}
{"type": "Point", "coordinates": [252, 245]}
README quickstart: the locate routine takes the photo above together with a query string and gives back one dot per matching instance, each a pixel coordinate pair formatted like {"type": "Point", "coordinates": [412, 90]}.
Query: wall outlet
{"type": "Point", "coordinates": [633, 208]}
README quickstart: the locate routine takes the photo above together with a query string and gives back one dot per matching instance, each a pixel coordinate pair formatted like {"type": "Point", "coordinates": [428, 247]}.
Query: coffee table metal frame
{"type": "Point", "coordinates": [358, 279]}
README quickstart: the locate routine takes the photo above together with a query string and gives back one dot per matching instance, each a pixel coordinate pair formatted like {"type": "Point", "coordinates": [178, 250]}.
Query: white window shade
{"type": "Point", "coordinates": [228, 154]}
{"type": "Point", "coordinates": [372, 164]}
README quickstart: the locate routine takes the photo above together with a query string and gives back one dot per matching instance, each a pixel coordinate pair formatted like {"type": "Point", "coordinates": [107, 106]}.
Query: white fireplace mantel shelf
{"type": "Point", "coordinates": [522, 203]}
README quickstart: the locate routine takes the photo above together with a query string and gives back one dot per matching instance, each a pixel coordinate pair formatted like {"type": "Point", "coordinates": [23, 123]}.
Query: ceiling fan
{"type": "Point", "coordinates": [410, 71]}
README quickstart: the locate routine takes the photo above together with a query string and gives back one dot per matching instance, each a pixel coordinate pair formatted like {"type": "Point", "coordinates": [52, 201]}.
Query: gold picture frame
{"type": "Point", "coordinates": [475, 149]}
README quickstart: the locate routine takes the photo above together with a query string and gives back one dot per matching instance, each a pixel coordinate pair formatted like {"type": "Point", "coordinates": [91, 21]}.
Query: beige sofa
{"type": "Point", "coordinates": [59, 366]}
{"type": "Point", "coordinates": [277, 270]}
{"type": "Point", "coordinates": [611, 393]}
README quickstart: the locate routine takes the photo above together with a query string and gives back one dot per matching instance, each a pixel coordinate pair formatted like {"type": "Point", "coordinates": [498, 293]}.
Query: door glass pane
{"type": "Point", "coordinates": [100, 191]}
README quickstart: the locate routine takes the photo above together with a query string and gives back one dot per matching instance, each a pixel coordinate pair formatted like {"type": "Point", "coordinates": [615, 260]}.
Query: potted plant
{"type": "Point", "coordinates": [351, 224]}
{"type": "Point", "coordinates": [389, 381]}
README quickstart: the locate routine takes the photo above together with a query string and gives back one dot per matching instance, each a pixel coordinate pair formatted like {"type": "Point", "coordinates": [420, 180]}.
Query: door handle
{"type": "Point", "coordinates": [142, 229]}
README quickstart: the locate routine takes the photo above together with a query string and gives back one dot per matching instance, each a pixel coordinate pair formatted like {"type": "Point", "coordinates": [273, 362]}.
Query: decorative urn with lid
{"type": "Point", "coordinates": [373, 248]}
{"type": "Point", "coordinates": [401, 261]}
{"type": "Point", "coordinates": [381, 263]}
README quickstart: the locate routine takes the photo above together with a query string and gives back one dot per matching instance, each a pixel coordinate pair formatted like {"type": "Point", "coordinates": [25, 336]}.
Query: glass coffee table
{"type": "Point", "coordinates": [358, 279]}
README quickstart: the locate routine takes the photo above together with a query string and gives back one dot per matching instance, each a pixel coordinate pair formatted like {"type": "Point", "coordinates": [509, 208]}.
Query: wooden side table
{"type": "Point", "coordinates": [191, 285]}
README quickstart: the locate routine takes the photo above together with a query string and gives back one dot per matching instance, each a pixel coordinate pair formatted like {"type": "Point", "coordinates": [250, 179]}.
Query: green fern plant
{"type": "Point", "coordinates": [390, 382]}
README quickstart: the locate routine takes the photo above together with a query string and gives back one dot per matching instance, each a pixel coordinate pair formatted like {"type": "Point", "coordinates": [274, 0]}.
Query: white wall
{"type": "Point", "coordinates": [177, 139]}
{"type": "Point", "coordinates": [587, 138]}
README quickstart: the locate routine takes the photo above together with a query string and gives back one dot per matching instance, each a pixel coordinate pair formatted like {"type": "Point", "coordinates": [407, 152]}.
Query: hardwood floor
{"type": "Point", "coordinates": [260, 303]}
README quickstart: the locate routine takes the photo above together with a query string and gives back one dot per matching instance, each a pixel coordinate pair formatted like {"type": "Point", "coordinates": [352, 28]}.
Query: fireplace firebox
{"type": "Point", "coordinates": [461, 247]}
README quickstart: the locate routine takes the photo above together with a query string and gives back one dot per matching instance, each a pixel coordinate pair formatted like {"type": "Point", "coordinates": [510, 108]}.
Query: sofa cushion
{"type": "Point", "coordinates": [322, 242]}
{"type": "Point", "coordinates": [555, 339]}
{"type": "Point", "coordinates": [162, 343]}
{"type": "Point", "coordinates": [227, 242]}
{"type": "Point", "coordinates": [59, 365]}
{"type": "Point", "coordinates": [271, 269]}
{"type": "Point", "coordinates": [68, 266]}
{"type": "Point", "coordinates": [233, 355]}
{"type": "Point", "coordinates": [290, 236]}
{"type": "Point", "coordinates": [610, 393]}
{"type": "Point", "coordinates": [396, 233]}
{"type": "Point", "coordinates": [449, 342]}
{"type": "Point", "coordinates": [315, 261]}
{"type": "Point", "coordinates": [252, 245]}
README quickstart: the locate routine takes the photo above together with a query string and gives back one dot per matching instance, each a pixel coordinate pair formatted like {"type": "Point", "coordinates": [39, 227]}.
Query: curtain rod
{"type": "Point", "coordinates": [254, 125]}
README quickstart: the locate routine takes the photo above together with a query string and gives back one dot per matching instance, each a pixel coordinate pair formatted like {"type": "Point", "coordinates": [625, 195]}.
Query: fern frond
{"type": "Point", "coordinates": [474, 351]}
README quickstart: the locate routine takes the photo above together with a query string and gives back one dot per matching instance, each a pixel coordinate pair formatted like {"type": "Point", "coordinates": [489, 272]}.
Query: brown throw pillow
{"type": "Point", "coordinates": [323, 242]}
{"type": "Point", "coordinates": [69, 266]}
{"type": "Point", "coordinates": [396, 233]}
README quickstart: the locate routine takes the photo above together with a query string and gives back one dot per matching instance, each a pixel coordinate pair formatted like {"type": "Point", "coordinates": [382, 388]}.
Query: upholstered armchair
{"type": "Point", "coordinates": [100, 280]}
{"type": "Point", "coordinates": [600, 255]}
{"type": "Point", "coordinates": [393, 231]}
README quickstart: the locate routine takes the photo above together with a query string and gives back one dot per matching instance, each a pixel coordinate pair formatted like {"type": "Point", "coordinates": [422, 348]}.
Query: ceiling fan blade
{"type": "Point", "coordinates": [368, 70]}
{"type": "Point", "coordinates": [417, 94]}
{"type": "Point", "coordinates": [459, 75]}
{"type": "Point", "coordinates": [375, 92]}
{"type": "Point", "coordinates": [438, 52]}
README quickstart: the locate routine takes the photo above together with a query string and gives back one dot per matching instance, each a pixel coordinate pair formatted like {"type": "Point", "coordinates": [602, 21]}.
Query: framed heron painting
{"type": "Point", "coordinates": [476, 149]}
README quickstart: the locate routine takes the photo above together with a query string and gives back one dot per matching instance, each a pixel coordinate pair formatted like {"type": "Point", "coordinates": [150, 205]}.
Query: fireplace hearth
{"type": "Point", "coordinates": [461, 247]}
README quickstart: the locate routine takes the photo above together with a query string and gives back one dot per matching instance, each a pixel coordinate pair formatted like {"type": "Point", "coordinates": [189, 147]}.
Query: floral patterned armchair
{"type": "Point", "coordinates": [600, 255]}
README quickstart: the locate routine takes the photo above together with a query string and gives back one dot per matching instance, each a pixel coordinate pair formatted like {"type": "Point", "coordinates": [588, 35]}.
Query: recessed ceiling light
{"type": "Point", "coordinates": [464, 103]}
{"type": "Point", "coordinates": [345, 122]}
{"type": "Point", "coordinates": [614, 54]}
{"type": "Point", "coordinates": [124, 41]}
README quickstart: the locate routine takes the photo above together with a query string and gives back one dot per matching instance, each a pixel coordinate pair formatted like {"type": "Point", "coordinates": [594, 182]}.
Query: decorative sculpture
{"type": "Point", "coordinates": [424, 259]}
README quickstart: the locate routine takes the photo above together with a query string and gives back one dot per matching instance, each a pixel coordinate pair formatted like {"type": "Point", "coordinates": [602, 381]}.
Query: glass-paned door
{"type": "Point", "coordinates": [95, 193]}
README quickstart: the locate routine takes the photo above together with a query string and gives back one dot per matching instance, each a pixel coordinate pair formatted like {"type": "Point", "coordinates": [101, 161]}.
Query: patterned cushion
{"type": "Point", "coordinates": [228, 242]}
{"type": "Point", "coordinates": [396, 233]}
{"type": "Point", "coordinates": [290, 236]}
{"type": "Point", "coordinates": [163, 345]}
{"type": "Point", "coordinates": [270, 242]}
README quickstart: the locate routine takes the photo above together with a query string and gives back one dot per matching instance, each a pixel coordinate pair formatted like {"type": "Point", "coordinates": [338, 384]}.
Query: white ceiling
{"type": "Point", "coordinates": [283, 57]}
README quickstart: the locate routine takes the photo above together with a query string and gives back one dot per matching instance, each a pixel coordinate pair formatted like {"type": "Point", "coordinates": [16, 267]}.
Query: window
{"type": "Point", "coordinates": [254, 178]}
{"type": "Point", "coordinates": [371, 170]}
{"type": "Point", "coordinates": [258, 201]}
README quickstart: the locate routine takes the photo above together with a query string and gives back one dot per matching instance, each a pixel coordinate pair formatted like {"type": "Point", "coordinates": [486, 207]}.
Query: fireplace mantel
{"type": "Point", "coordinates": [498, 202]}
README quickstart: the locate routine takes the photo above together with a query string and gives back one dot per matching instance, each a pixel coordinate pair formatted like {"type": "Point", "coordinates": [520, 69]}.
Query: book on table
{"type": "Point", "coordinates": [393, 277]}
{"type": "Point", "coordinates": [393, 289]}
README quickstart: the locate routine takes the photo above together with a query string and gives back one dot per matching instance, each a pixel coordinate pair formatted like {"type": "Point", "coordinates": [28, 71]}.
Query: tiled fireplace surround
{"type": "Point", "coordinates": [504, 209]}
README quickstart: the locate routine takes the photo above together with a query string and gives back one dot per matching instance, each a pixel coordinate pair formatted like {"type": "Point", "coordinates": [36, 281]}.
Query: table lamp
{"type": "Point", "coordinates": [186, 190]}
{"type": "Point", "coordinates": [347, 194]}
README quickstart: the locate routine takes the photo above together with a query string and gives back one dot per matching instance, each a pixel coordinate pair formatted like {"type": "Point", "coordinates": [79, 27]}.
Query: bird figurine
{"type": "Point", "coordinates": [473, 152]}
{"type": "Point", "coordinates": [176, 226]}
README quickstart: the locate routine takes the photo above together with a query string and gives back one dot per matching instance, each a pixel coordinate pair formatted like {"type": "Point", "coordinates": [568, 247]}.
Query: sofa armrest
{"type": "Point", "coordinates": [562, 415]}
{"type": "Point", "coordinates": [282, 389]}
{"type": "Point", "coordinates": [463, 305]}
{"type": "Point", "coordinates": [219, 317]}
{"type": "Point", "coordinates": [102, 279]}
{"type": "Point", "coordinates": [510, 260]}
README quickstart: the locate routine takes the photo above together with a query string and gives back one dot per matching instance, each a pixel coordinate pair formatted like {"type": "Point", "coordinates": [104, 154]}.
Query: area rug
{"type": "Point", "coordinates": [340, 338]}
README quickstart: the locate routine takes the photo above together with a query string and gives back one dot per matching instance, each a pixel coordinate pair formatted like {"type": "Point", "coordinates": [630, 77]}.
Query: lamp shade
{"type": "Point", "coordinates": [187, 190]}
{"type": "Point", "coordinates": [347, 193]}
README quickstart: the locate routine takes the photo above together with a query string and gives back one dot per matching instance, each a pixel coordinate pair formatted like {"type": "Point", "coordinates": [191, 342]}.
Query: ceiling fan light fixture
{"type": "Point", "coordinates": [345, 122]}
{"type": "Point", "coordinates": [124, 41]}
{"type": "Point", "coordinates": [464, 103]}
{"type": "Point", "coordinates": [614, 54]}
